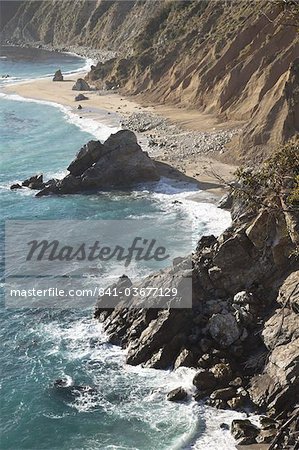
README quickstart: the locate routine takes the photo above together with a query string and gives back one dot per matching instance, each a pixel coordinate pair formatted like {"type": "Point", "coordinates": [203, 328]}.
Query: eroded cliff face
{"type": "Point", "coordinates": [233, 59]}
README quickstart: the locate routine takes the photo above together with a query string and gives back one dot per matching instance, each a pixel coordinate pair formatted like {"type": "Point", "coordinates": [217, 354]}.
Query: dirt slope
{"type": "Point", "coordinates": [237, 60]}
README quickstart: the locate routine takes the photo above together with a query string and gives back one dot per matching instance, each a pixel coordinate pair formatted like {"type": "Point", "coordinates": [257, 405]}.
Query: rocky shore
{"type": "Point", "coordinates": [241, 333]}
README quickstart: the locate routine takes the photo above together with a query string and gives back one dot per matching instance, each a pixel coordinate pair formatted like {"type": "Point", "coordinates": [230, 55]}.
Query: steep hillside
{"type": "Point", "coordinates": [236, 60]}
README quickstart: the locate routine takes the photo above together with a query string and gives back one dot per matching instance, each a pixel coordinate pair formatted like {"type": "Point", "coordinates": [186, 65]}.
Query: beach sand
{"type": "Point", "coordinates": [112, 108]}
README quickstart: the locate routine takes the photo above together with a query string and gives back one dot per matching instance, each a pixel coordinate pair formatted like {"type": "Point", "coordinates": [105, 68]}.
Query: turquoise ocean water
{"type": "Point", "coordinates": [129, 410]}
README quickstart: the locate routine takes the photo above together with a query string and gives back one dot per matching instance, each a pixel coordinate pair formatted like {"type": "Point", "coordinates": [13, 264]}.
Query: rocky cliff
{"type": "Point", "coordinates": [242, 331]}
{"type": "Point", "coordinates": [237, 60]}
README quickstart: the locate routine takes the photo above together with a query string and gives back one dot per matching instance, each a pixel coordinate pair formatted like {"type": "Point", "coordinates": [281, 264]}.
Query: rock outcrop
{"type": "Point", "coordinates": [118, 162]}
{"type": "Point", "coordinates": [242, 331]}
{"type": "Point", "coordinates": [58, 76]}
{"type": "Point", "coordinates": [81, 85]}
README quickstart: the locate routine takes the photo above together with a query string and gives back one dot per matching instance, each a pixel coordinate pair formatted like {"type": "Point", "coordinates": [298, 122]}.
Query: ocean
{"type": "Point", "coordinates": [129, 411]}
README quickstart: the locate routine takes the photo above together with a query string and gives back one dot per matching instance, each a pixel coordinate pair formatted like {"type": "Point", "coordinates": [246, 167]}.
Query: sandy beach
{"type": "Point", "coordinates": [183, 140]}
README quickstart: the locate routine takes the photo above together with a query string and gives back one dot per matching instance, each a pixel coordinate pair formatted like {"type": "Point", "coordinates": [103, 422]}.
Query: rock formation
{"type": "Point", "coordinates": [242, 331]}
{"type": "Point", "coordinates": [58, 76]}
{"type": "Point", "coordinates": [119, 162]}
{"type": "Point", "coordinates": [81, 85]}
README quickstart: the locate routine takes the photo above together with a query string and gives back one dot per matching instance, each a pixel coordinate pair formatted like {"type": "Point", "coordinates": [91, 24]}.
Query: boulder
{"type": "Point", "coordinates": [58, 76]}
{"type": "Point", "coordinates": [224, 329]}
{"type": "Point", "coordinates": [80, 98]}
{"type": "Point", "coordinates": [81, 85]}
{"type": "Point", "coordinates": [177, 395]}
{"type": "Point", "coordinates": [244, 431]}
{"type": "Point", "coordinates": [204, 380]}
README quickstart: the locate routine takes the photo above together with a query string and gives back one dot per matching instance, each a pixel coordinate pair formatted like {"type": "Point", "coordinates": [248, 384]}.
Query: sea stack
{"type": "Point", "coordinates": [58, 76]}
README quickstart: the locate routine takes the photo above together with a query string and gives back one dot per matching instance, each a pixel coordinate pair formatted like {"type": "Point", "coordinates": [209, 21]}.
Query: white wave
{"type": "Point", "coordinates": [99, 130]}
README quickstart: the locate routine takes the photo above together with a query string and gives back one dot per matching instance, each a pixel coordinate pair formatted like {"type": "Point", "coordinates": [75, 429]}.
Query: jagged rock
{"type": "Point", "coordinates": [79, 107]}
{"type": "Point", "coordinates": [262, 230]}
{"type": "Point", "coordinates": [34, 182]}
{"type": "Point", "coordinates": [224, 329]}
{"type": "Point", "coordinates": [86, 157]}
{"type": "Point", "coordinates": [226, 202]}
{"type": "Point", "coordinates": [80, 98]}
{"type": "Point", "coordinates": [289, 292]}
{"type": "Point", "coordinates": [160, 331]}
{"type": "Point", "coordinates": [130, 164]}
{"type": "Point", "coordinates": [119, 162]}
{"type": "Point", "coordinates": [58, 76]}
{"type": "Point", "coordinates": [276, 387]}
{"type": "Point", "coordinates": [81, 85]}
{"type": "Point", "coordinates": [244, 432]}
{"type": "Point", "coordinates": [185, 359]}
{"type": "Point", "coordinates": [15, 186]}
{"type": "Point", "coordinates": [176, 395]}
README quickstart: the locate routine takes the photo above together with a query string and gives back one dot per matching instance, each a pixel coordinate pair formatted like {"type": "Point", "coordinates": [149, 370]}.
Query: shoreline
{"type": "Point", "coordinates": [187, 154]}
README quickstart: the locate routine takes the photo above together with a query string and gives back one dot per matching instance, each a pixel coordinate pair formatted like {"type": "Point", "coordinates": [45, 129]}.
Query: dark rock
{"type": "Point", "coordinates": [34, 179]}
{"type": "Point", "coordinates": [79, 107]}
{"type": "Point", "coordinates": [86, 157]}
{"type": "Point", "coordinates": [244, 432]}
{"type": "Point", "coordinates": [176, 395]}
{"type": "Point", "coordinates": [80, 98]}
{"type": "Point", "coordinates": [224, 426]}
{"type": "Point", "coordinates": [81, 85]}
{"type": "Point", "coordinates": [237, 382]}
{"type": "Point", "coordinates": [204, 380]}
{"type": "Point", "coordinates": [235, 403]}
{"type": "Point", "coordinates": [15, 186]}
{"type": "Point", "coordinates": [266, 436]}
{"type": "Point", "coordinates": [58, 76]}
{"type": "Point", "coordinates": [119, 162]}
{"type": "Point", "coordinates": [130, 164]}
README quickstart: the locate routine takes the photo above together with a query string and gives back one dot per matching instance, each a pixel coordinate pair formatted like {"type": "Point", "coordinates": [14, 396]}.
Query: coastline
{"type": "Point", "coordinates": [168, 129]}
